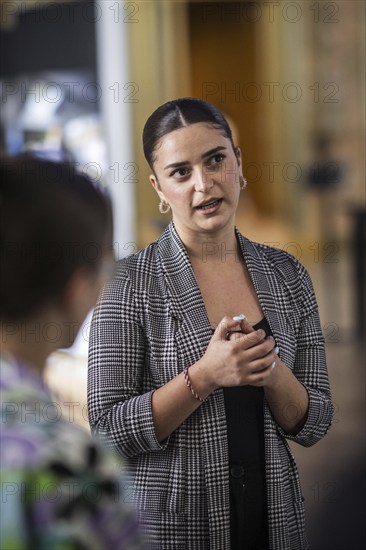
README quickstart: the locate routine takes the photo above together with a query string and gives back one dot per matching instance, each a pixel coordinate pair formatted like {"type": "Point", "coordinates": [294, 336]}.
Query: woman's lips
{"type": "Point", "coordinates": [210, 206]}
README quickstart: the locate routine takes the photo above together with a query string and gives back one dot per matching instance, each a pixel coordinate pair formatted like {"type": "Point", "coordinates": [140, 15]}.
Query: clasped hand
{"type": "Point", "coordinates": [238, 355]}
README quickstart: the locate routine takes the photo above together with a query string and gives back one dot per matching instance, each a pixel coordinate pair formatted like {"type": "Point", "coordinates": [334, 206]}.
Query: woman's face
{"type": "Point", "coordinates": [197, 174]}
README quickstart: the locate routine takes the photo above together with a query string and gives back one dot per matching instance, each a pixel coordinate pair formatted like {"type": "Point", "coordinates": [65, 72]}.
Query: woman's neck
{"type": "Point", "coordinates": [211, 248]}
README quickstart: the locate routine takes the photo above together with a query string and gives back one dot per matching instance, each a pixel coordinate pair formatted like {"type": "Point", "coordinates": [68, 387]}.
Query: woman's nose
{"type": "Point", "coordinates": [202, 181]}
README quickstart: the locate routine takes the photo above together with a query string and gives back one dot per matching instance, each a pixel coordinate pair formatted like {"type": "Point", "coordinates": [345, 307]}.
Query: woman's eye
{"type": "Point", "coordinates": [180, 172]}
{"type": "Point", "coordinates": [216, 161]}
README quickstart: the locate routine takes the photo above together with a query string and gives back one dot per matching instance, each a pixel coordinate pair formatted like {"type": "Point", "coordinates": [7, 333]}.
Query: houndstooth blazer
{"type": "Point", "coordinates": [149, 324]}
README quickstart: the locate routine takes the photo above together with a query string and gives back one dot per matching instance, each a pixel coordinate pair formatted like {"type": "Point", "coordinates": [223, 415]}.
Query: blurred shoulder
{"type": "Point", "coordinates": [40, 433]}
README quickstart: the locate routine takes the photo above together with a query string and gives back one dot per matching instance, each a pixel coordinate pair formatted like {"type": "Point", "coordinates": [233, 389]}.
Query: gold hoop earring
{"type": "Point", "coordinates": [164, 207]}
{"type": "Point", "coordinates": [243, 183]}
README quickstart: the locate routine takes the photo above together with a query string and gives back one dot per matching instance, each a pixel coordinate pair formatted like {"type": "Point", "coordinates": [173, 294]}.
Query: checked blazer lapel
{"type": "Point", "coordinates": [185, 299]}
{"type": "Point", "coordinates": [266, 286]}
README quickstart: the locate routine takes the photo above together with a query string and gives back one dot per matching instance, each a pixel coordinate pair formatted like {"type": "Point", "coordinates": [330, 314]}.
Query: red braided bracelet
{"type": "Point", "coordinates": [189, 384]}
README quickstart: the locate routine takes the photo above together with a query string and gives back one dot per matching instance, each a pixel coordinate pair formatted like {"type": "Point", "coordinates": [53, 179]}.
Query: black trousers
{"type": "Point", "coordinates": [248, 509]}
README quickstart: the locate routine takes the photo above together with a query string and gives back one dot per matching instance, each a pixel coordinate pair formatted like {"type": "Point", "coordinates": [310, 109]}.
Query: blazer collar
{"type": "Point", "coordinates": [185, 296]}
{"type": "Point", "coordinates": [183, 290]}
{"type": "Point", "coordinates": [263, 274]}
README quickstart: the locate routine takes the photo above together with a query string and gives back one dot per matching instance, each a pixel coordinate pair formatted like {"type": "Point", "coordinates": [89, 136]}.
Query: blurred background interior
{"type": "Point", "coordinates": [79, 79]}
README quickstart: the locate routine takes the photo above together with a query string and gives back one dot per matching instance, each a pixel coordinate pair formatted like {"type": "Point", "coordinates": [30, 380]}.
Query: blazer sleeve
{"type": "Point", "coordinates": [120, 411]}
{"type": "Point", "coordinates": [310, 367]}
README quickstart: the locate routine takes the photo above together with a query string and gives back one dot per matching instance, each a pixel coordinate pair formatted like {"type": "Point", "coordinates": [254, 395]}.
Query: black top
{"type": "Point", "coordinates": [245, 419]}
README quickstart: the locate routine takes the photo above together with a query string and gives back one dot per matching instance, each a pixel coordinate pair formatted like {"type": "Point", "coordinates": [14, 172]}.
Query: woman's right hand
{"type": "Point", "coordinates": [231, 359]}
{"type": "Point", "coordinates": [237, 355]}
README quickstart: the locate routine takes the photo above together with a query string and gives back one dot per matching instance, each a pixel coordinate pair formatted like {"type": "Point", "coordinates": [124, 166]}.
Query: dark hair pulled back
{"type": "Point", "coordinates": [176, 114]}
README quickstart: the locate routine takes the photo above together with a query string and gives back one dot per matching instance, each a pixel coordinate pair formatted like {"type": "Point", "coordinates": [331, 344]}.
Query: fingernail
{"type": "Point", "coordinates": [277, 349]}
{"type": "Point", "coordinates": [240, 317]}
{"type": "Point", "coordinates": [273, 364]}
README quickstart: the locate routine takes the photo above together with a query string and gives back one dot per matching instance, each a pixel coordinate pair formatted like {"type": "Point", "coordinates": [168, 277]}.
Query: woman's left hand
{"type": "Point", "coordinates": [273, 359]}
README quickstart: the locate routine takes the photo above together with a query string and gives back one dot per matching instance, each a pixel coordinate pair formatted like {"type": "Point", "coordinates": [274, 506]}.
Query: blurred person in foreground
{"type": "Point", "coordinates": [198, 397]}
{"type": "Point", "coordinates": [58, 488]}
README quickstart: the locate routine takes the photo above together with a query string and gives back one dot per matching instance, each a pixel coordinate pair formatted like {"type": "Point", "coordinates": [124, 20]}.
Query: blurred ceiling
{"type": "Point", "coordinates": [10, 9]}
{"type": "Point", "coordinates": [41, 35]}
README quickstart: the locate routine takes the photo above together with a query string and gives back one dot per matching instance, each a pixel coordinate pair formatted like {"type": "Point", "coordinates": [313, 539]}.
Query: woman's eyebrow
{"type": "Point", "coordinates": [213, 151]}
{"type": "Point", "coordinates": [176, 164]}
{"type": "Point", "coordinates": [204, 155]}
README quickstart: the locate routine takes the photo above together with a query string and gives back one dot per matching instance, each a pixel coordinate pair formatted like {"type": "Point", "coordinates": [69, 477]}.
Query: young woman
{"type": "Point", "coordinates": [199, 396]}
{"type": "Point", "coordinates": [58, 489]}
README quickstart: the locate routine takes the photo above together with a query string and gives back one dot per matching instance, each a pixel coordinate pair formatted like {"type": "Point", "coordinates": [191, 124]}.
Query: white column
{"type": "Point", "coordinates": [113, 75]}
{"type": "Point", "coordinates": [117, 96]}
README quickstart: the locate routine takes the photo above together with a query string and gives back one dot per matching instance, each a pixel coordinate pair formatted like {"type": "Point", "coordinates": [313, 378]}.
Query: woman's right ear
{"type": "Point", "coordinates": [237, 151]}
{"type": "Point", "coordinates": [154, 182]}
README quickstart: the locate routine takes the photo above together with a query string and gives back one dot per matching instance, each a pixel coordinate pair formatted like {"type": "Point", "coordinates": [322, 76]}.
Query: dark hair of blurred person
{"type": "Point", "coordinates": [58, 487]}
{"type": "Point", "coordinates": [54, 223]}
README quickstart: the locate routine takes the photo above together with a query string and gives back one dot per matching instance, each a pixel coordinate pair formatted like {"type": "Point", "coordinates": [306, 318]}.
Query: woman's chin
{"type": "Point", "coordinates": [214, 223]}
